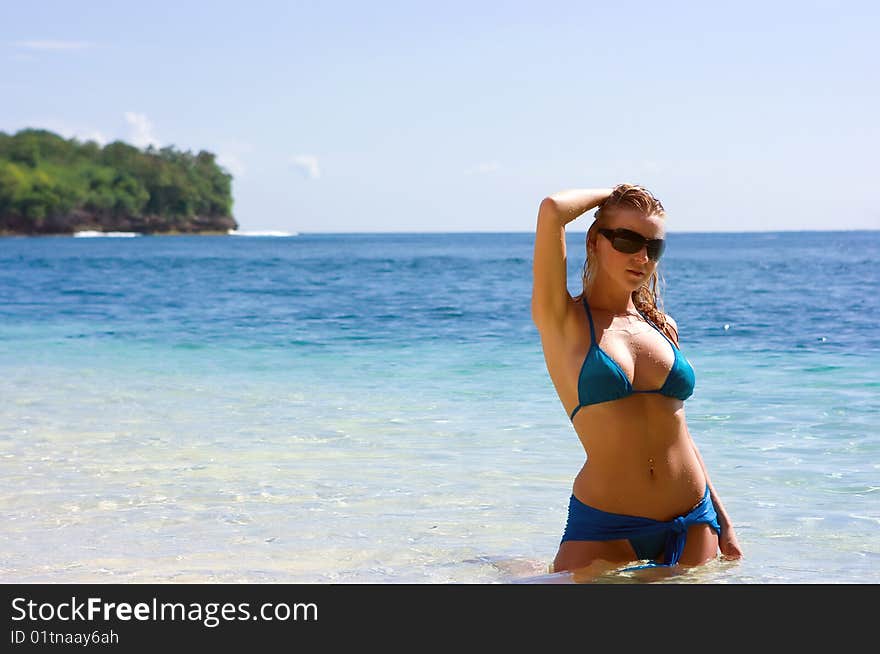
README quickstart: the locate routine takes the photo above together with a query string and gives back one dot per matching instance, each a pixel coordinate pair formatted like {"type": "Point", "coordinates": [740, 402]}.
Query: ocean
{"type": "Point", "coordinates": [375, 408]}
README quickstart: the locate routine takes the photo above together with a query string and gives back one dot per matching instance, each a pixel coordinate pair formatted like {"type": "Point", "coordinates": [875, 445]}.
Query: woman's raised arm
{"type": "Point", "coordinates": [550, 289]}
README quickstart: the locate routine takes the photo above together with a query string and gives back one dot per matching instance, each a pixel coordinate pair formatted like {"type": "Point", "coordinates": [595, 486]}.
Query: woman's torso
{"type": "Point", "coordinates": [639, 455]}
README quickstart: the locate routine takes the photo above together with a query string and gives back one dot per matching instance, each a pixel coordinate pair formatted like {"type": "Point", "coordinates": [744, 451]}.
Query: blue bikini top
{"type": "Point", "coordinates": [602, 380]}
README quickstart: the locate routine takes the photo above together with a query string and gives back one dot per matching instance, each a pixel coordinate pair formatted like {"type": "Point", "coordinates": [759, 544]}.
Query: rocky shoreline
{"type": "Point", "coordinates": [81, 221]}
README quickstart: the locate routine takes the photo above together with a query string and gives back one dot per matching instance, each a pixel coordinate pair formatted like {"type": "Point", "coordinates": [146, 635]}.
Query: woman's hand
{"type": "Point", "coordinates": [728, 544]}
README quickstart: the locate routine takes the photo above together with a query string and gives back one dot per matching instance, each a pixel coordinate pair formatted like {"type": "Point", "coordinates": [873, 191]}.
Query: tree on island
{"type": "Point", "coordinates": [52, 185]}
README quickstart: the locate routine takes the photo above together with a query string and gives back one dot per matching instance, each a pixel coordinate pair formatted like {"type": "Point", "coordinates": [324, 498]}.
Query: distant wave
{"type": "Point", "coordinates": [233, 232]}
{"type": "Point", "coordinates": [91, 234]}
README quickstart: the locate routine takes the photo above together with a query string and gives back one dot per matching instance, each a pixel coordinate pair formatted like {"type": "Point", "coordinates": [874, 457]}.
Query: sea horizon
{"type": "Point", "coordinates": [276, 230]}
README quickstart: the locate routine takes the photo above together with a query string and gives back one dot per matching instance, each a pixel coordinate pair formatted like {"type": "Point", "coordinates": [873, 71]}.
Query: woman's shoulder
{"type": "Point", "coordinates": [670, 321]}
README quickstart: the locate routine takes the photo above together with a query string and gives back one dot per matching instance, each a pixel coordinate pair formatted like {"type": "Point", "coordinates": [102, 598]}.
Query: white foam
{"type": "Point", "coordinates": [865, 517]}
{"type": "Point", "coordinates": [233, 232]}
{"type": "Point", "coordinates": [94, 234]}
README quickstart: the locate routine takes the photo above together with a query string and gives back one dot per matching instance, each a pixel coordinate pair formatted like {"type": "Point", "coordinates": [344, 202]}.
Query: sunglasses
{"type": "Point", "coordinates": [629, 242]}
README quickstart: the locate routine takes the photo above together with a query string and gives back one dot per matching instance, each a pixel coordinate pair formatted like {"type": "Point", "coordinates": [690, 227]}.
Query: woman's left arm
{"type": "Point", "coordinates": [728, 542]}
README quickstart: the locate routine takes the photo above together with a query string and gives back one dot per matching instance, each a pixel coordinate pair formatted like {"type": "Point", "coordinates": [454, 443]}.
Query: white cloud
{"type": "Point", "coordinates": [54, 45]}
{"type": "Point", "coordinates": [141, 130]}
{"type": "Point", "coordinates": [307, 164]}
{"type": "Point", "coordinates": [483, 168]}
{"type": "Point", "coordinates": [231, 163]}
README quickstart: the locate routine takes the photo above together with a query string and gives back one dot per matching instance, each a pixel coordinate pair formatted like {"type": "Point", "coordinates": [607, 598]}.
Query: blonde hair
{"type": "Point", "coordinates": [647, 296]}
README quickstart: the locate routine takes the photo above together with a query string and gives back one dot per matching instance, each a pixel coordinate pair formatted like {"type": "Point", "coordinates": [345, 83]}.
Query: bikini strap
{"type": "Point", "coordinates": [590, 317]}
{"type": "Point", "coordinates": [651, 322]}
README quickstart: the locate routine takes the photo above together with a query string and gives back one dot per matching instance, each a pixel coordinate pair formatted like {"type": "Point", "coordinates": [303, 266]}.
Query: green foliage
{"type": "Point", "coordinates": [44, 175]}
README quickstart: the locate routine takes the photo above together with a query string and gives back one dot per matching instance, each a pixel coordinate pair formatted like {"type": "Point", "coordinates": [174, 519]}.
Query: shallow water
{"type": "Point", "coordinates": [375, 408]}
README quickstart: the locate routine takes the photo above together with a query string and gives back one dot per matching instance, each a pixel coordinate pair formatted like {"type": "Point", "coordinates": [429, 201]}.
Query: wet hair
{"type": "Point", "coordinates": [647, 296]}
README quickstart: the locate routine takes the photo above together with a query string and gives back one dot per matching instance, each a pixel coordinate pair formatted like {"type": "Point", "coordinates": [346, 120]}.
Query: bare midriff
{"type": "Point", "coordinates": [640, 460]}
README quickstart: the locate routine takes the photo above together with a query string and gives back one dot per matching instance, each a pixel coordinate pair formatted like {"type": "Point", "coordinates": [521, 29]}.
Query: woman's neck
{"type": "Point", "coordinates": [616, 301]}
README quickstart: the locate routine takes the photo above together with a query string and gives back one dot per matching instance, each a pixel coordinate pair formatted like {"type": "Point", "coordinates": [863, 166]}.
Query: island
{"type": "Point", "coordinates": [53, 185]}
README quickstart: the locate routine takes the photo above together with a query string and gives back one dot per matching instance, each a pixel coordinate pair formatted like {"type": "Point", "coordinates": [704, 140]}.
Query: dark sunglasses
{"type": "Point", "coordinates": [629, 242]}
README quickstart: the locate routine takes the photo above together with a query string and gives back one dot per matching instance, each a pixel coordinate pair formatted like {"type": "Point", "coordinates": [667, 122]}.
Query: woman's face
{"type": "Point", "coordinates": [628, 270]}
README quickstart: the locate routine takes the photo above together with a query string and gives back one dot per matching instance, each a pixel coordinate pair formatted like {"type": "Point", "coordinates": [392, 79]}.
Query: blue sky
{"type": "Point", "coordinates": [462, 116]}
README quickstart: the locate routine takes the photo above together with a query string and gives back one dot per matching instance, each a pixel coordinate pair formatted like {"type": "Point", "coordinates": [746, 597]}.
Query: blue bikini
{"type": "Point", "coordinates": [649, 538]}
{"type": "Point", "coordinates": [602, 380]}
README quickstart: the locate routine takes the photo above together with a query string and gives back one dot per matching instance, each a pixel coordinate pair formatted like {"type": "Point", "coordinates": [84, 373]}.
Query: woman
{"type": "Point", "coordinates": [612, 354]}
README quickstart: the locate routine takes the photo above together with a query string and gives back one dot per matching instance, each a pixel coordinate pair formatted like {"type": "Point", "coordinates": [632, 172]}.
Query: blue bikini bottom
{"type": "Point", "coordinates": [649, 538]}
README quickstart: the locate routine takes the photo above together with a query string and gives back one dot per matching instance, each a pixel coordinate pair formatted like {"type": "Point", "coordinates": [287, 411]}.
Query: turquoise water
{"type": "Point", "coordinates": [375, 408]}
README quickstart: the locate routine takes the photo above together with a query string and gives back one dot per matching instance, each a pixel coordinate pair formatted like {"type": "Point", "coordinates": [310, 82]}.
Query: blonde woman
{"type": "Point", "coordinates": [644, 493]}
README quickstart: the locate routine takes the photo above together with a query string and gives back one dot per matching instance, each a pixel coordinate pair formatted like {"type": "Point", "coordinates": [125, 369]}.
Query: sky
{"type": "Point", "coordinates": [462, 116]}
